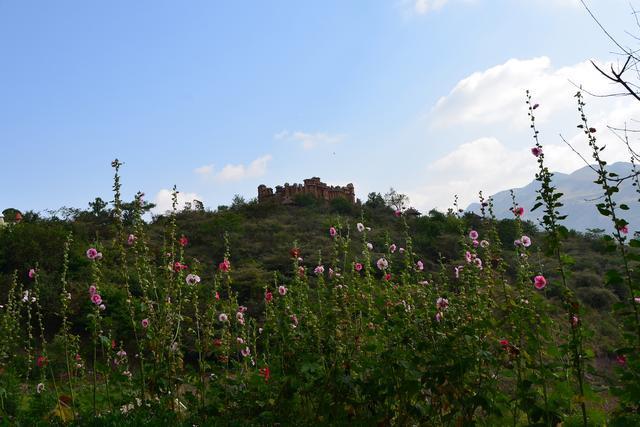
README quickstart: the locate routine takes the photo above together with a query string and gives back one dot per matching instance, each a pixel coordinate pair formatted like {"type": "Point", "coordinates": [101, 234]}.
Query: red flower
{"type": "Point", "coordinates": [621, 359]}
{"type": "Point", "coordinates": [217, 342]}
{"type": "Point", "coordinates": [295, 252]}
{"type": "Point", "coordinates": [178, 266]}
{"type": "Point", "coordinates": [224, 265]}
{"type": "Point", "coordinates": [184, 241]}
{"type": "Point", "coordinates": [268, 296]}
{"type": "Point", "coordinates": [504, 343]}
{"type": "Point", "coordinates": [217, 295]}
{"type": "Point", "coordinates": [518, 211]}
{"type": "Point", "coordinates": [265, 373]}
{"type": "Point", "coordinates": [113, 344]}
{"type": "Point", "coordinates": [41, 361]}
{"type": "Point", "coordinates": [387, 276]}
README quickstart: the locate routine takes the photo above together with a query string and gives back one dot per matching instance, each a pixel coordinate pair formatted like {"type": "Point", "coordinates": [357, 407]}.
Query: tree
{"type": "Point", "coordinates": [395, 200]}
{"type": "Point", "coordinates": [375, 200]}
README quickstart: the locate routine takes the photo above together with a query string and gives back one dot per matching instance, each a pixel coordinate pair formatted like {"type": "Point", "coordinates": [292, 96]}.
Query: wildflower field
{"type": "Point", "coordinates": [362, 315]}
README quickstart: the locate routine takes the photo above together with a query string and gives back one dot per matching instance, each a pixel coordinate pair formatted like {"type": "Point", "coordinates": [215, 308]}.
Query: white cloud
{"type": "Point", "coordinates": [423, 6]}
{"type": "Point", "coordinates": [255, 169]}
{"type": "Point", "coordinates": [308, 140]}
{"type": "Point", "coordinates": [204, 171]}
{"type": "Point", "coordinates": [163, 200]}
{"type": "Point", "coordinates": [496, 95]}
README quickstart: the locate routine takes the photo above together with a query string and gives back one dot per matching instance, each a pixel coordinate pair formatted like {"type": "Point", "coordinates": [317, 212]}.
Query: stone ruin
{"type": "Point", "coordinates": [312, 186]}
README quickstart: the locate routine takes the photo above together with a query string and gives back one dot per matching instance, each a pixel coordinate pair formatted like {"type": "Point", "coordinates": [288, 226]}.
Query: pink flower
{"type": "Point", "coordinates": [525, 241]}
{"type": "Point", "coordinates": [96, 299]}
{"type": "Point", "coordinates": [518, 211]}
{"type": "Point", "coordinates": [223, 317]}
{"type": "Point", "coordinates": [331, 273]}
{"type": "Point", "coordinates": [475, 243]}
{"type": "Point", "coordinates": [217, 296]}
{"type": "Point", "coordinates": [575, 320]}
{"type": "Point", "coordinates": [397, 212]}
{"type": "Point", "coordinates": [99, 255]}
{"type": "Point", "coordinates": [517, 242]}
{"type": "Point", "coordinates": [282, 290]}
{"type": "Point", "coordinates": [382, 263]}
{"type": "Point", "coordinates": [92, 290]}
{"type": "Point", "coordinates": [358, 266]}
{"type": "Point", "coordinates": [478, 263]}
{"type": "Point", "coordinates": [539, 282]}
{"type": "Point", "coordinates": [92, 253]}
{"type": "Point", "coordinates": [102, 307]}
{"type": "Point", "coordinates": [473, 235]}
{"type": "Point", "coordinates": [131, 240]}
{"type": "Point", "coordinates": [467, 256]}
{"type": "Point", "coordinates": [401, 250]}
{"type": "Point", "coordinates": [192, 279]}
{"type": "Point", "coordinates": [145, 323]}
{"type": "Point", "coordinates": [319, 270]}
{"type": "Point", "coordinates": [623, 229]}
{"type": "Point", "coordinates": [245, 352]}
{"type": "Point", "coordinates": [183, 241]}
{"type": "Point", "coordinates": [240, 316]}
{"type": "Point", "coordinates": [268, 296]}
{"type": "Point", "coordinates": [392, 248]}
{"type": "Point", "coordinates": [536, 151]}
{"type": "Point", "coordinates": [333, 232]}
{"type": "Point", "coordinates": [301, 271]}
{"type": "Point", "coordinates": [225, 265]}
{"type": "Point", "coordinates": [484, 243]}
{"type": "Point", "coordinates": [294, 320]}
{"type": "Point", "coordinates": [420, 265]}
{"type": "Point", "coordinates": [242, 309]}
{"type": "Point", "coordinates": [32, 273]}
{"type": "Point", "coordinates": [636, 300]}
{"type": "Point", "coordinates": [360, 227]}
{"type": "Point", "coordinates": [369, 246]}
{"type": "Point", "coordinates": [442, 303]}
{"type": "Point", "coordinates": [439, 316]}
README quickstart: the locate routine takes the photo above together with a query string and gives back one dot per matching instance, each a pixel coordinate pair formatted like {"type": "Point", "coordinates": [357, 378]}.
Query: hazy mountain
{"type": "Point", "coordinates": [579, 199]}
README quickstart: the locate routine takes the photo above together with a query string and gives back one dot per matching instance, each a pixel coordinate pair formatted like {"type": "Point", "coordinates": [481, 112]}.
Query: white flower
{"type": "Point", "coordinates": [369, 246]}
{"type": "Point", "coordinates": [40, 388]}
{"type": "Point", "coordinates": [360, 227]}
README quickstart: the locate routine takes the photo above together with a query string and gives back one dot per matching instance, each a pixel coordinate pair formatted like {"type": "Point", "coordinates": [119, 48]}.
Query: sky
{"type": "Point", "coordinates": [425, 96]}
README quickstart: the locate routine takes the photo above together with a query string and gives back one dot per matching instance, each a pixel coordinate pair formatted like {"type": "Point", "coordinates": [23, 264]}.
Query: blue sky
{"type": "Point", "coordinates": [219, 97]}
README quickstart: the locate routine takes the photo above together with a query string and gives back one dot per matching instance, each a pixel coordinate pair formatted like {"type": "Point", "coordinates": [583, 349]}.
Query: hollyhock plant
{"type": "Point", "coordinates": [518, 211]}
{"type": "Point", "coordinates": [92, 290]}
{"type": "Point", "coordinates": [96, 299]}
{"type": "Point", "coordinates": [475, 243]}
{"type": "Point", "coordinates": [360, 227]}
{"type": "Point", "coordinates": [539, 282]}
{"type": "Point", "coordinates": [131, 240]}
{"type": "Point", "coordinates": [40, 388]}
{"type": "Point", "coordinates": [223, 317]}
{"type": "Point", "coordinates": [245, 352]}
{"type": "Point", "coordinates": [319, 270]}
{"type": "Point", "coordinates": [392, 248]}
{"type": "Point", "coordinates": [536, 151]}
{"type": "Point", "coordinates": [183, 241]}
{"type": "Point", "coordinates": [145, 323]}
{"type": "Point", "coordinates": [484, 243]}
{"type": "Point", "coordinates": [282, 290]}
{"type": "Point", "coordinates": [468, 257]}
{"type": "Point", "coordinates": [478, 263]}
{"type": "Point", "coordinates": [32, 273]}
{"type": "Point", "coordinates": [525, 241]}
{"type": "Point", "coordinates": [420, 265]}
{"type": "Point", "coordinates": [473, 235]}
{"type": "Point", "coordinates": [636, 300]}
{"type": "Point", "coordinates": [442, 303]}
{"type": "Point", "coordinates": [333, 232]}
{"type": "Point", "coordinates": [178, 266]}
{"type": "Point", "coordinates": [265, 373]}
{"type": "Point", "coordinates": [358, 266]}
{"type": "Point", "coordinates": [268, 296]}
{"type": "Point", "coordinates": [369, 246]}
{"type": "Point", "coordinates": [623, 229]}
{"type": "Point", "coordinates": [41, 361]}
{"type": "Point", "coordinates": [398, 212]}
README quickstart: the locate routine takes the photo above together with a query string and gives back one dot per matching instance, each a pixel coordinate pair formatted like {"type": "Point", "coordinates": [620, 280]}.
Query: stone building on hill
{"type": "Point", "coordinates": [312, 186]}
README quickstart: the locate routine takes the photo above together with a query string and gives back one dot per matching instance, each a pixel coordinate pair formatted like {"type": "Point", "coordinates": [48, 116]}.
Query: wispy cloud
{"type": "Point", "coordinates": [307, 140]}
{"type": "Point", "coordinates": [235, 172]}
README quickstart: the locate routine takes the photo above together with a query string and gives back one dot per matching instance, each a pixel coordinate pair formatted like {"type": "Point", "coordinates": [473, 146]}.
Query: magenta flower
{"type": "Point", "coordinates": [382, 264]}
{"type": "Point", "coordinates": [131, 240]}
{"type": "Point", "coordinates": [96, 299]}
{"type": "Point", "coordinates": [525, 241]}
{"type": "Point", "coordinates": [475, 243]}
{"type": "Point", "coordinates": [333, 232]}
{"type": "Point", "coordinates": [473, 235]}
{"type": "Point", "coordinates": [397, 212]}
{"type": "Point", "coordinates": [621, 359]}
{"type": "Point", "coordinates": [420, 265]}
{"type": "Point", "coordinates": [225, 265]}
{"type": "Point", "coordinates": [145, 323]}
{"type": "Point", "coordinates": [92, 290]}
{"type": "Point", "coordinates": [467, 256]}
{"type": "Point", "coordinates": [358, 266]}
{"type": "Point", "coordinates": [282, 290]}
{"type": "Point", "coordinates": [536, 151]}
{"type": "Point", "coordinates": [32, 273]}
{"type": "Point", "coordinates": [575, 320]}
{"type": "Point", "coordinates": [268, 296]}
{"type": "Point", "coordinates": [623, 229]}
{"type": "Point", "coordinates": [92, 253]}
{"type": "Point", "coordinates": [319, 270]}
{"type": "Point", "coordinates": [539, 282]}
{"type": "Point", "coordinates": [392, 248]}
{"type": "Point", "coordinates": [245, 352]}
{"type": "Point", "coordinates": [518, 211]}
{"type": "Point", "coordinates": [242, 309]}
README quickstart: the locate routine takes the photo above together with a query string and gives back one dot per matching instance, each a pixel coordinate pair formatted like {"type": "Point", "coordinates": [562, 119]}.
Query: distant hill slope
{"type": "Point", "coordinates": [579, 199]}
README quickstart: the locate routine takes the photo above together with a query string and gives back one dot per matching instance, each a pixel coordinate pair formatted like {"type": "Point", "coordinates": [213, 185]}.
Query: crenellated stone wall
{"type": "Point", "coordinates": [312, 186]}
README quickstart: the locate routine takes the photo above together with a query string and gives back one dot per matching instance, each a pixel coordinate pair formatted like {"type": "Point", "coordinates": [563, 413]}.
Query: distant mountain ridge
{"type": "Point", "coordinates": [580, 196]}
